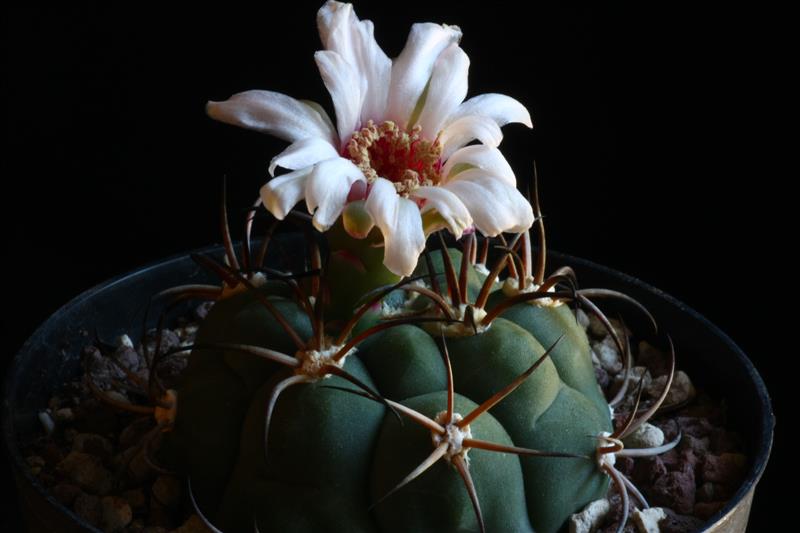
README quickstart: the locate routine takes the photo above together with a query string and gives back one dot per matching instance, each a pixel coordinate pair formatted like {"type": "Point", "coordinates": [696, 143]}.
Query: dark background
{"type": "Point", "coordinates": [649, 124]}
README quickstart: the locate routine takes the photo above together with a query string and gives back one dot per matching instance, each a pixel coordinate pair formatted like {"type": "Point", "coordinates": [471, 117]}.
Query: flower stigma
{"type": "Point", "coordinates": [403, 157]}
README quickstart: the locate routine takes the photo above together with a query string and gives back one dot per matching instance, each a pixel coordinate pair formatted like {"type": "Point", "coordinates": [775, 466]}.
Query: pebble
{"type": "Point", "coordinates": [636, 373]}
{"type": "Point", "coordinates": [135, 498]}
{"type": "Point", "coordinates": [87, 507]}
{"type": "Point", "coordinates": [653, 358]}
{"type": "Point", "coordinates": [129, 358]}
{"type": "Point", "coordinates": [167, 490]}
{"type": "Point", "coordinates": [608, 355]}
{"type": "Point", "coordinates": [115, 513]}
{"type": "Point", "coordinates": [47, 422]}
{"type": "Point", "coordinates": [647, 520]}
{"type": "Point", "coordinates": [133, 432]}
{"type": "Point", "coordinates": [647, 436]}
{"type": "Point", "coordinates": [596, 327]}
{"type": "Point", "coordinates": [681, 390]}
{"type": "Point", "coordinates": [63, 415]}
{"type": "Point", "coordinates": [139, 469]}
{"type": "Point", "coordinates": [590, 518]}
{"type": "Point", "coordinates": [584, 320]}
{"type": "Point", "coordinates": [87, 472]}
{"type": "Point", "coordinates": [92, 444]}
{"type": "Point", "coordinates": [124, 341]}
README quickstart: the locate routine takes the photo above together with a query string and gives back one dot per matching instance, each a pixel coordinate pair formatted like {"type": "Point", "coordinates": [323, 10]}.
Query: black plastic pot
{"type": "Point", "coordinates": [52, 356]}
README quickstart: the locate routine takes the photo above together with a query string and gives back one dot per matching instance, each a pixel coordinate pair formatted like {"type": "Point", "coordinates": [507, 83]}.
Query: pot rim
{"type": "Point", "coordinates": [757, 466]}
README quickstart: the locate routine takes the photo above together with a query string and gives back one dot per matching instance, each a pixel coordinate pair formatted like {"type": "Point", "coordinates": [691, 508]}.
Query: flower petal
{"type": "Point", "coordinates": [494, 205]}
{"type": "Point", "coordinates": [281, 194]}
{"type": "Point", "coordinates": [447, 89]}
{"type": "Point", "coordinates": [412, 68]}
{"type": "Point", "coordinates": [327, 188]}
{"type": "Point", "coordinates": [344, 85]}
{"type": "Point", "coordinates": [342, 32]}
{"type": "Point", "coordinates": [465, 130]}
{"type": "Point", "coordinates": [303, 153]}
{"type": "Point", "coordinates": [448, 205]}
{"type": "Point", "coordinates": [273, 113]}
{"type": "Point", "coordinates": [401, 225]}
{"type": "Point", "coordinates": [499, 107]}
{"type": "Point", "coordinates": [480, 156]}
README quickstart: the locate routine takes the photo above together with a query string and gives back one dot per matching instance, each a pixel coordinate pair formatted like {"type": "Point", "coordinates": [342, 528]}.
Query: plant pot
{"type": "Point", "coordinates": [52, 356]}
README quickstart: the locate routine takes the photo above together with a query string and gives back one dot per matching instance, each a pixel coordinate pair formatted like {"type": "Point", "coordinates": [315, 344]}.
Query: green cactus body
{"type": "Point", "coordinates": [572, 355]}
{"type": "Point", "coordinates": [437, 501]}
{"type": "Point", "coordinates": [333, 453]}
{"type": "Point", "coordinates": [483, 364]}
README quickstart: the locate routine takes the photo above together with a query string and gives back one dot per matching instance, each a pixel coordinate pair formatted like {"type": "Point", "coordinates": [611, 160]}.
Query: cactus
{"type": "Point", "coordinates": [367, 391]}
{"type": "Point", "coordinates": [448, 401]}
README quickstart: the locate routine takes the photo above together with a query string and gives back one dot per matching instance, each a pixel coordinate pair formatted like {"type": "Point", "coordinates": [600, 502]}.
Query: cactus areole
{"type": "Point", "coordinates": [393, 382]}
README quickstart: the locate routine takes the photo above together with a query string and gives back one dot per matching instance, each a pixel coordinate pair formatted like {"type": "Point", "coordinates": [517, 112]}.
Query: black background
{"type": "Point", "coordinates": [649, 124]}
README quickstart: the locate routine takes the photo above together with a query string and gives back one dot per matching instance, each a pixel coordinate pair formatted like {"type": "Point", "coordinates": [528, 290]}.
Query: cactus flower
{"type": "Point", "coordinates": [400, 155]}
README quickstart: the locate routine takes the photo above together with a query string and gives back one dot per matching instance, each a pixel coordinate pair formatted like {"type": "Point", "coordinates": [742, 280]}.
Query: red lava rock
{"type": "Point", "coordinates": [696, 445]}
{"type": "Point", "coordinates": [677, 523]}
{"type": "Point", "coordinates": [128, 358]}
{"type": "Point", "coordinates": [625, 465]}
{"type": "Point", "coordinates": [669, 427]}
{"type": "Point", "coordinates": [614, 516]}
{"type": "Point", "coordinates": [169, 340]}
{"type": "Point", "coordinates": [706, 510]}
{"type": "Point", "coordinates": [648, 469]}
{"type": "Point", "coordinates": [725, 468]}
{"type": "Point", "coordinates": [696, 427]}
{"type": "Point", "coordinates": [675, 490]}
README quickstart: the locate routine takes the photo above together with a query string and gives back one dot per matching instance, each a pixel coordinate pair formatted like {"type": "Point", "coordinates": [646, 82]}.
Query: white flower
{"type": "Point", "coordinates": [402, 127]}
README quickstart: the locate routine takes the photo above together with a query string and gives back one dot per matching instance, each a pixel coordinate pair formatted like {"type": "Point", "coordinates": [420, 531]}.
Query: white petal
{"type": "Point", "coordinates": [281, 194]}
{"type": "Point", "coordinates": [401, 225]}
{"type": "Point", "coordinates": [344, 85]}
{"type": "Point", "coordinates": [495, 206]}
{"type": "Point", "coordinates": [376, 67]}
{"type": "Point", "coordinates": [448, 205]}
{"type": "Point", "coordinates": [412, 68]}
{"type": "Point", "coordinates": [273, 113]}
{"type": "Point", "coordinates": [446, 91]}
{"type": "Point", "coordinates": [303, 153]}
{"type": "Point", "coordinates": [327, 188]}
{"type": "Point", "coordinates": [499, 107]}
{"type": "Point", "coordinates": [467, 129]}
{"type": "Point", "coordinates": [342, 32]}
{"type": "Point", "coordinates": [335, 22]}
{"type": "Point", "coordinates": [480, 156]}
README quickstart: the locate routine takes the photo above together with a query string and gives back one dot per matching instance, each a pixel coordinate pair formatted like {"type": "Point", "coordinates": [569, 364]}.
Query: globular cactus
{"type": "Point", "coordinates": [449, 401]}
{"type": "Point", "coordinates": [367, 391]}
